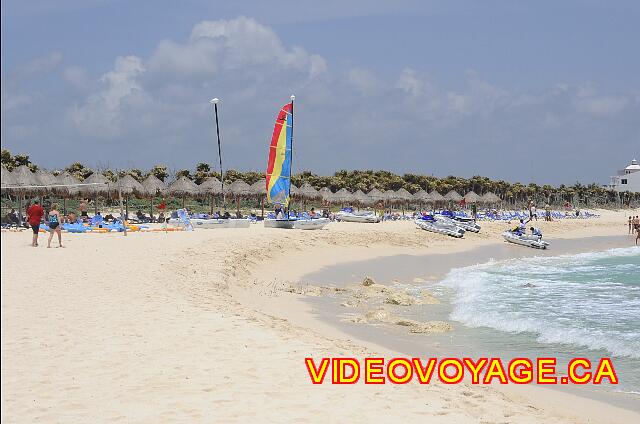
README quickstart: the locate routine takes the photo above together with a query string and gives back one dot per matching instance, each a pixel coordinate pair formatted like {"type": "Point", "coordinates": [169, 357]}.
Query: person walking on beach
{"type": "Point", "coordinates": [534, 213]}
{"type": "Point", "coordinates": [636, 224]}
{"type": "Point", "coordinates": [54, 225]}
{"type": "Point", "coordinates": [34, 216]}
{"type": "Point", "coordinates": [630, 225]}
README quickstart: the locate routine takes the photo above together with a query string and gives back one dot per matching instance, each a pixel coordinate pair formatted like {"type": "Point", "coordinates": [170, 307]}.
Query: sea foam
{"type": "Point", "coordinates": [588, 300]}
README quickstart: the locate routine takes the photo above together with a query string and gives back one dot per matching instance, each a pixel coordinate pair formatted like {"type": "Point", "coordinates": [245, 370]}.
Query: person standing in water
{"type": "Point", "coordinates": [54, 225]}
{"type": "Point", "coordinates": [34, 216]}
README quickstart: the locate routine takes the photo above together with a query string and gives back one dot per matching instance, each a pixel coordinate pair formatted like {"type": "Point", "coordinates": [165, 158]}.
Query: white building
{"type": "Point", "coordinates": [628, 179]}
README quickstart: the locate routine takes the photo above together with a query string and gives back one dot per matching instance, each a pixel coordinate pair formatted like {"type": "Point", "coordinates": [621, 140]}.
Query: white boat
{"type": "Point", "coordinates": [440, 227]}
{"type": "Point", "coordinates": [465, 224]}
{"type": "Point", "coordinates": [297, 224]}
{"type": "Point", "coordinates": [278, 181]}
{"type": "Point", "coordinates": [310, 224]}
{"type": "Point", "coordinates": [212, 223]}
{"type": "Point", "coordinates": [528, 240]}
{"type": "Point", "coordinates": [365, 216]}
{"type": "Point", "coordinates": [279, 223]}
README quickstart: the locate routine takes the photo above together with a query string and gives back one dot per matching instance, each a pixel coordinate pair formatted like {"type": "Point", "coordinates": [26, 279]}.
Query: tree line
{"type": "Point", "coordinates": [366, 180]}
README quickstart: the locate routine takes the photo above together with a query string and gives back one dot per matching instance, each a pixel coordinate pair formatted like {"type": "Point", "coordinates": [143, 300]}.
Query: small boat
{"type": "Point", "coordinates": [278, 175]}
{"type": "Point", "coordinates": [212, 223]}
{"type": "Point", "coordinates": [440, 227]}
{"type": "Point", "coordinates": [310, 224]}
{"type": "Point", "coordinates": [465, 225]}
{"type": "Point", "coordinates": [528, 240]}
{"type": "Point", "coordinates": [349, 215]}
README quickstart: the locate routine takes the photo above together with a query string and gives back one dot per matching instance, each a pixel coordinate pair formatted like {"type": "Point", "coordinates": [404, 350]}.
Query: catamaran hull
{"type": "Point", "coordinates": [310, 224]}
{"type": "Point", "coordinates": [210, 224]}
{"type": "Point", "coordinates": [279, 223]}
{"type": "Point", "coordinates": [525, 240]}
{"type": "Point", "coordinates": [440, 228]}
{"type": "Point", "coordinates": [355, 217]}
{"type": "Point", "coordinates": [297, 224]}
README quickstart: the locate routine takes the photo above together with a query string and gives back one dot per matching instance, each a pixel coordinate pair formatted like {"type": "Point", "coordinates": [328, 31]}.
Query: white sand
{"type": "Point", "coordinates": [191, 327]}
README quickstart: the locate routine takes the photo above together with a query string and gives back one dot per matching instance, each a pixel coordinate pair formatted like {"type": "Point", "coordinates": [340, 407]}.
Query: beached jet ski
{"type": "Point", "coordinates": [467, 224]}
{"type": "Point", "coordinates": [349, 215]}
{"type": "Point", "coordinates": [529, 240]}
{"type": "Point", "coordinates": [429, 223]}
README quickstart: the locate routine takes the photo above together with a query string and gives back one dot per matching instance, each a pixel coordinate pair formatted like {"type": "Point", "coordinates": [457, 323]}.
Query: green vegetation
{"type": "Point", "coordinates": [510, 193]}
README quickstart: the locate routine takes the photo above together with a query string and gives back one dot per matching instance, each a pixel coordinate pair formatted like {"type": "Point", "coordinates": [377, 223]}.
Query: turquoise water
{"type": "Point", "coordinates": [569, 305]}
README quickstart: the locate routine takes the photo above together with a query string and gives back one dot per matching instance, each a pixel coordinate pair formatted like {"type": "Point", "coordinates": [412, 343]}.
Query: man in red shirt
{"type": "Point", "coordinates": [34, 216]}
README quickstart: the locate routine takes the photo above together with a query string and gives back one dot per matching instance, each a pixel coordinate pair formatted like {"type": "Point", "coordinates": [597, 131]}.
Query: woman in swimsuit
{"type": "Point", "coordinates": [54, 224]}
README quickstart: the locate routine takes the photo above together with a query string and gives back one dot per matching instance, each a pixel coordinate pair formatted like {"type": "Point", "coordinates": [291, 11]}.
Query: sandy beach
{"type": "Point", "coordinates": [204, 326]}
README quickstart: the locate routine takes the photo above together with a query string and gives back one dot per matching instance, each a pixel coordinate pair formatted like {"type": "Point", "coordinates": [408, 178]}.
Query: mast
{"type": "Point", "coordinates": [291, 158]}
{"type": "Point", "coordinates": [215, 108]}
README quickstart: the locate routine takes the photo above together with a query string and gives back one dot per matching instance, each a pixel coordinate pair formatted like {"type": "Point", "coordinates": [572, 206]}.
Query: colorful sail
{"type": "Point", "coordinates": [279, 165]}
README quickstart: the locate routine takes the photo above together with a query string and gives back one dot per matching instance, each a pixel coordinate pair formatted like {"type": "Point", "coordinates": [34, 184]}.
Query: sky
{"type": "Point", "coordinates": [542, 91]}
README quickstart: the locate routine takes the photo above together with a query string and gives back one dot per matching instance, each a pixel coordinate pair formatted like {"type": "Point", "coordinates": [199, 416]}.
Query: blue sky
{"type": "Point", "coordinates": [546, 91]}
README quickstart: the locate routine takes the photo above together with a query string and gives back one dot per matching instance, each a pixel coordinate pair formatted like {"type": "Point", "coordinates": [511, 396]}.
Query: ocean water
{"type": "Point", "coordinates": [584, 304]}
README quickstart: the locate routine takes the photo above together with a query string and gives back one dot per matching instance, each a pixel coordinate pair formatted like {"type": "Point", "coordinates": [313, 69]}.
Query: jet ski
{"type": "Point", "coordinates": [529, 240]}
{"type": "Point", "coordinates": [349, 215]}
{"type": "Point", "coordinates": [464, 222]}
{"type": "Point", "coordinates": [429, 223]}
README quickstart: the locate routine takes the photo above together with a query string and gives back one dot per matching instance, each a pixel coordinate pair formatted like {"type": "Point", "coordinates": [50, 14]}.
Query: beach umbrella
{"type": "Point", "coordinates": [152, 186]}
{"type": "Point", "coordinates": [99, 187]}
{"type": "Point", "coordinates": [126, 186]}
{"type": "Point", "coordinates": [343, 196]}
{"type": "Point", "coordinates": [402, 196]}
{"type": "Point", "coordinates": [259, 189]}
{"type": "Point", "coordinates": [421, 196]}
{"type": "Point", "coordinates": [47, 180]}
{"type": "Point", "coordinates": [294, 191]}
{"type": "Point", "coordinates": [24, 178]}
{"type": "Point", "coordinates": [211, 185]}
{"type": "Point", "coordinates": [183, 187]}
{"type": "Point", "coordinates": [376, 196]}
{"type": "Point", "coordinates": [8, 181]}
{"type": "Point", "coordinates": [69, 187]}
{"type": "Point", "coordinates": [20, 178]}
{"type": "Point", "coordinates": [437, 197]}
{"type": "Point", "coordinates": [239, 189]}
{"type": "Point", "coordinates": [326, 194]}
{"type": "Point", "coordinates": [308, 192]}
{"type": "Point", "coordinates": [471, 197]}
{"type": "Point", "coordinates": [24, 181]}
{"type": "Point", "coordinates": [490, 198]}
{"type": "Point", "coordinates": [453, 196]}
{"type": "Point", "coordinates": [361, 198]}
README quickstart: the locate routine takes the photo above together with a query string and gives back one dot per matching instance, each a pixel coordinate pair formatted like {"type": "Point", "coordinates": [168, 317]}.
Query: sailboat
{"type": "Point", "coordinates": [278, 175]}
{"type": "Point", "coordinates": [210, 223]}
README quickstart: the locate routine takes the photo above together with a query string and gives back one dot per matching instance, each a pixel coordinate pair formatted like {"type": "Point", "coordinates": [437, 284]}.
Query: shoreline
{"type": "Point", "coordinates": [177, 326]}
{"type": "Point", "coordinates": [405, 269]}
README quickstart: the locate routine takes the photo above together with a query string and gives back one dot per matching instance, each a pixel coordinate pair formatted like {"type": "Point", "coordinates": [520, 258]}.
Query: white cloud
{"type": "Point", "coordinates": [232, 45]}
{"type": "Point", "coordinates": [157, 106]}
{"type": "Point", "coordinates": [77, 78]}
{"type": "Point", "coordinates": [100, 114]}
{"type": "Point", "coordinates": [42, 64]}
{"type": "Point", "coordinates": [603, 106]}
